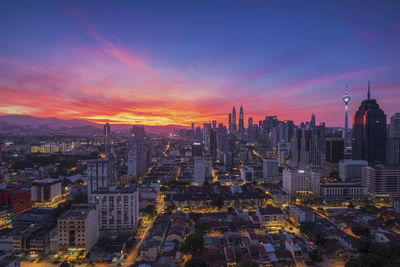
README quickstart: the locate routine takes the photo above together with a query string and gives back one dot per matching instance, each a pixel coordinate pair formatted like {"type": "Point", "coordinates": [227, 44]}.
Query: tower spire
{"type": "Point", "coordinates": [369, 92]}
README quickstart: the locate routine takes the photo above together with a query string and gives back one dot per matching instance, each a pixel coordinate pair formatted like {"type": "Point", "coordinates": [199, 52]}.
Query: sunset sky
{"type": "Point", "coordinates": [177, 62]}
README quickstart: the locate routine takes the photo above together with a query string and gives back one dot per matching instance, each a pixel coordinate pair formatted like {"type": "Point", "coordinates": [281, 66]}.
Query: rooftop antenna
{"type": "Point", "coordinates": [369, 92]}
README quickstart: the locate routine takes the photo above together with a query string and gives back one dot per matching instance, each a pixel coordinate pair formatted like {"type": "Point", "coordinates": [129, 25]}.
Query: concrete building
{"type": "Point", "coordinates": [78, 228]}
{"type": "Point", "coordinates": [118, 208]}
{"type": "Point", "coordinates": [46, 190]}
{"type": "Point", "coordinates": [247, 174]}
{"type": "Point", "coordinates": [202, 169]}
{"type": "Point", "coordinates": [271, 170]}
{"type": "Point", "coordinates": [271, 218]}
{"type": "Point", "coordinates": [350, 170]}
{"type": "Point", "coordinates": [301, 182]}
{"type": "Point", "coordinates": [343, 192]}
{"type": "Point", "coordinates": [382, 181]}
{"type": "Point", "coordinates": [301, 214]}
{"type": "Point", "coordinates": [100, 174]}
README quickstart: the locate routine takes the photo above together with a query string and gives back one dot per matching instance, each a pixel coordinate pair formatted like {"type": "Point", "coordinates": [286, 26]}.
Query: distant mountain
{"type": "Point", "coordinates": [34, 122]}
{"type": "Point", "coordinates": [76, 125]}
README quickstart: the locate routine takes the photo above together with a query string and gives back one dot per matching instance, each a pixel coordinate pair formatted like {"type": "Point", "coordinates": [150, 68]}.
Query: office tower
{"type": "Point", "coordinates": [334, 149]}
{"type": "Point", "coordinates": [301, 182]}
{"type": "Point", "coordinates": [346, 136]}
{"type": "Point", "coordinates": [197, 149]}
{"type": "Point", "coordinates": [206, 136]}
{"type": "Point", "coordinates": [202, 169]}
{"type": "Point", "coordinates": [106, 130]}
{"type": "Point", "coordinates": [100, 174]}
{"type": "Point", "coordinates": [241, 122]}
{"type": "Point", "coordinates": [137, 157]}
{"type": "Point", "coordinates": [382, 181]}
{"type": "Point", "coordinates": [213, 143]}
{"type": "Point", "coordinates": [138, 132]}
{"type": "Point", "coordinates": [230, 123]}
{"type": "Point", "coordinates": [369, 132]}
{"type": "Point", "coordinates": [270, 170]}
{"type": "Point", "coordinates": [234, 127]}
{"type": "Point", "coordinates": [250, 123]}
{"type": "Point", "coordinates": [214, 124]}
{"type": "Point", "coordinates": [394, 140]}
{"type": "Point", "coordinates": [312, 122]}
{"type": "Point", "coordinates": [198, 134]}
{"type": "Point", "coordinates": [78, 229]}
{"type": "Point", "coordinates": [222, 138]}
{"type": "Point", "coordinates": [192, 129]}
{"type": "Point", "coordinates": [350, 170]}
{"type": "Point", "coordinates": [118, 207]}
{"type": "Point", "coordinates": [1, 154]}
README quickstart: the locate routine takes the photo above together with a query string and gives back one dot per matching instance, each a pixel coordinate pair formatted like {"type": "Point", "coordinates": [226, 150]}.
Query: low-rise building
{"type": "Point", "coordinates": [270, 218]}
{"type": "Point", "coordinates": [343, 192]}
{"type": "Point", "coordinates": [301, 214]}
{"type": "Point", "coordinates": [78, 228]}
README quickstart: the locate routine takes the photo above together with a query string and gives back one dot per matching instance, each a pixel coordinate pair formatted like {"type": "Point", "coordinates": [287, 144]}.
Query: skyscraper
{"type": "Point", "coordinates": [369, 132]}
{"type": "Point", "coordinates": [234, 127]}
{"type": "Point", "coordinates": [394, 140]}
{"type": "Point", "coordinates": [241, 121]}
{"type": "Point", "coordinates": [106, 130]}
{"type": "Point", "coordinates": [230, 123]}
{"type": "Point", "coordinates": [206, 136]}
{"type": "Point", "coordinates": [346, 136]}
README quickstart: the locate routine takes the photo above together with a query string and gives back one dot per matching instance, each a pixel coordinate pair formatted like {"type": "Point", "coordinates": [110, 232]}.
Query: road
{"type": "Point", "coordinates": [131, 259]}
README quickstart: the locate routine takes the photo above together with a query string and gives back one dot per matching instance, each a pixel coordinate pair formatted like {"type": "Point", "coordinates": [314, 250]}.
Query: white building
{"type": "Point", "coordinates": [301, 182]}
{"type": "Point", "coordinates": [271, 170]}
{"type": "Point", "coordinates": [118, 207]}
{"type": "Point", "coordinates": [202, 169]}
{"type": "Point", "coordinates": [271, 218]}
{"type": "Point", "coordinates": [350, 170]}
{"type": "Point", "coordinates": [301, 214]}
{"type": "Point", "coordinates": [343, 191]}
{"type": "Point", "coordinates": [46, 190]}
{"type": "Point", "coordinates": [78, 228]}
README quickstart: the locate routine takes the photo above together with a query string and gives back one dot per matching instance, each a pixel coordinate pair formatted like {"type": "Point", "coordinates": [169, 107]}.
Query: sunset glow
{"type": "Point", "coordinates": [130, 69]}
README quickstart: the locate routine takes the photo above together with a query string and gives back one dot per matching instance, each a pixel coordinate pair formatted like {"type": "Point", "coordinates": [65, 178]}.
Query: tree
{"type": "Point", "coordinates": [360, 231]}
{"type": "Point", "coordinates": [316, 255]}
{"type": "Point", "coordinates": [66, 264]}
{"type": "Point", "coordinates": [230, 209]}
{"type": "Point", "coordinates": [170, 208]}
{"type": "Point", "coordinates": [193, 243]}
{"type": "Point", "coordinates": [248, 263]}
{"type": "Point", "coordinates": [196, 262]}
{"type": "Point", "coordinates": [218, 202]}
{"type": "Point", "coordinates": [150, 211]}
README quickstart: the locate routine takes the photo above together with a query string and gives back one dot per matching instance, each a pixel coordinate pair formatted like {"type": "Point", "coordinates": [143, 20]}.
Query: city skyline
{"type": "Point", "coordinates": [163, 65]}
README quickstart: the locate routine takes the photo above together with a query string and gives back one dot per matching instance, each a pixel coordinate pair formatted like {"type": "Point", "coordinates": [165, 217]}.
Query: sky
{"type": "Point", "coordinates": [177, 62]}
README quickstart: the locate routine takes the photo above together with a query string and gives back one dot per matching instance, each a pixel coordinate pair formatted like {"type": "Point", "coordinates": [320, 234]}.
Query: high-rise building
{"type": "Point", "coordinates": [241, 122]}
{"type": "Point", "coordinates": [308, 147]}
{"type": "Point", "coordinates": [271, 170]}
{"type": "Point", "coordinates": [202, 169]}
{"type": "Point", "coordinates": [312, 122]}
{"type": "Point", "coordinates": [334, 149]}
{"type": "Point", "coordinates": [346, 135]}
{"type": "Point", "coordinates": [214, 124]}
{"type": "Point", "coordinates": [230, 123]}
{"type": "Point", "coordinates": [394, 140]}
{"type": "Point", "coordinates": [46, 190]}
{"type": "Point", "coordinates": [197, 149]}
{"type": "Point", "coordinates": [234, 125]}
{"type": "Point", "coordinates": [301, 182]}
{"type": "Point", "coordinates": [369, 132]}
{"type": "Point", "coordinates": [350, 170]}
{"type": "Point", "coordinates": [100, 174]}
{"type": "Point", "coordinates": [137, 160]}
{"type": "Point", "coordinates": [118, 207]}
{"type": "Point", "coordinates": [206, 136]}
{"type": "Point", "coordinates": [382, 181]}
{"type": "Point", "coordinates": [106, 130]}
